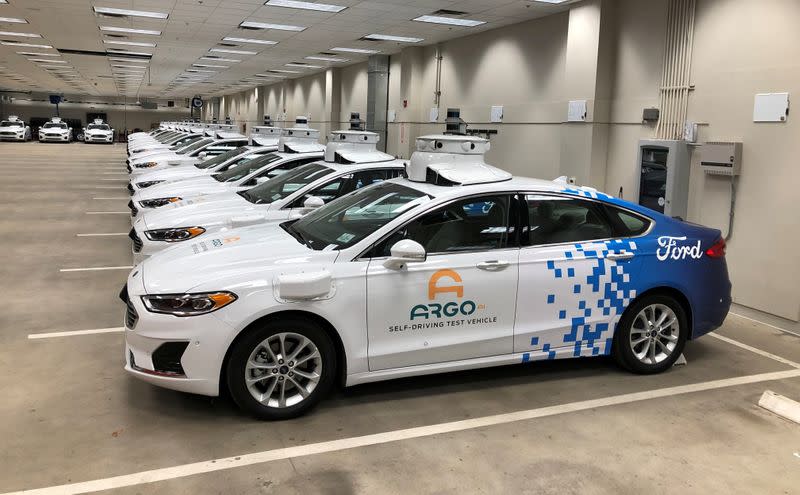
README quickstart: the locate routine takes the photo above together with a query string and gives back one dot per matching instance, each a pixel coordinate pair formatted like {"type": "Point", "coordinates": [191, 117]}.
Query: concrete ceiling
{"type": "Point", "coordinates": [196, 26]}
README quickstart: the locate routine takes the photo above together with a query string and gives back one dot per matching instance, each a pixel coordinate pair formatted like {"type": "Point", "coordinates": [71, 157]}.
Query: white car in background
{"type": "Point", "coordinates": [98, 132]}
{"type": "Point", "coordinates": [14, 129]}
{"type": "Point", "coordinates": [199, 150]}
{"type": "Point", "coordinates": [350, 164]}
{"type": "Point", "coordinates": [249, 172]}
{"type": "Point", "coordinates": [55, 131]}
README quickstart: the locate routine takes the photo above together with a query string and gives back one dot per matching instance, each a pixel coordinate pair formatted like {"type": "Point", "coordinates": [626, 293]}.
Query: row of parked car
{"type": "Point", "coordinates": [56, 130]}
{"type": "Point", "coordinates": [275, 267]}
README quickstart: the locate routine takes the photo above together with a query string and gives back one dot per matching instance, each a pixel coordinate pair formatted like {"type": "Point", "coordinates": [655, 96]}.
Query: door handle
{"type": "Point", "coordinates": [493, 265]}
{"type": "Point", "coordinates": [619, 256]}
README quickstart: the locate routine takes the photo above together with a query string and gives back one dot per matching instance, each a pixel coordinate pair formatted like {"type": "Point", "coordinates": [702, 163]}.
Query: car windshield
{"type": "Point", "coordinates": [195, 146]}
{"type": "Point", "coordinates": [98, 127]}
{"type": "Point", "coordinates": [287, 184]}
{"type": "Point", "coordinates": [246, 166]}
{"type": "Point", "coordinates": [11, 123]}
{"type": "Point", "coordinates": [221, 158]}
{"type": "Point", "coordinates": [55, 125]}
{"type": "Point", "coordinates": [180, 142]}
{"type": "Point", "coordinates": [349, 219]}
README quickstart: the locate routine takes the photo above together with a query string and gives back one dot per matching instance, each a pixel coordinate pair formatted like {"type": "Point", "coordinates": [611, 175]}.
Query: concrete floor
{"type": "Point", "coordinates": [70, 414]}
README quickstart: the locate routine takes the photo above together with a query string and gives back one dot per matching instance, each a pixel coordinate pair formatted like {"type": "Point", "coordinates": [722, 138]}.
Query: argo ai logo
{"type": "Point", "coordinates": [448, 309]}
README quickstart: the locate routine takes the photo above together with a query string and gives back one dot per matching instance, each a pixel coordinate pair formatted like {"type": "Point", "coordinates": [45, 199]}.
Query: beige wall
{"type": "Point", "coordinates": [610, 52]}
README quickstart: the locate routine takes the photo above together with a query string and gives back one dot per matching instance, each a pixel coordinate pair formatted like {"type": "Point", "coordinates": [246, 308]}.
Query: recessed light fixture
{"type": "Point", "coordinates": [26, 45]}
{"type": "Point", "coordinates": [214, 58]}
{"type": "Point", "coordinates": [551, 1]}
{"type": "Point", "coordinates": [211, 66]}
{"type": "Point", "coordinates": [47, 61]}
{"type": "Point", "coordinates": [354, 50]}
{"type": "Point", "coordinates": [130, 71]}
{"type": "Point", "coordinates": [120, 51]}
{"type": "Point", "coordinates": [326, 58]}
{"type": "Point", "coordinates": [114, 29]}
{"type": "Point", "coordinates": [389, 37]}
{"type": "Point", "coordinates": [130, 43]}
{"type": "Point", "coordinates": [141, 67]}
{"type": "Point", "coordinates": [450, 21]}
{"type": "Point", "coordinates": [249, 40]}
{"type": "Point", "coordinates": [21, 35]}
{"type": "Point", "coordinates": [13, 20]}
{"type": "Point", "coordinates": [38, 54]}
{"type": "Point", "coordinates": [267, 25]}
{"type": "Point", "coordinates": [285, 71]}
{"type": "Point", "coordinates": [294, 4]}
{"type": "Point", "coordinates": [304, 66]}
{"type": "Point", "coordinates": [201, 70]}
{"type": "Point", "coordinates": [132, 13]}
{"type": "Point", "coordinates": [236, 52]}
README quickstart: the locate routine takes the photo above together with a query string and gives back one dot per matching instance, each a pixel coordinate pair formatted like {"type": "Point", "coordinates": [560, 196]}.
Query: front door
{"type": "Point", "coordinates": [460, 302]}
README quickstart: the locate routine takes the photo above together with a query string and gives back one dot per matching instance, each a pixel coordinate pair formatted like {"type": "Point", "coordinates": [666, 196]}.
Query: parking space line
{"type": "Point", "coordinates": [95, 269]}
{"type": "Point", "coordinates": [765, 324]}
{"type": "Point", "coordinates": [108, 187]}
{"type": "Point", "coordinates": [50, 335]}
{"type": "Point", "coordinates": [203, 467]}
{"type": "Point", "coordinates": [121, 178]}
{"type": "Point", "coordinates": [115, 197]}
{"type": "Point", "coordinates": [755, 350]}
{"type": "Point", "coordinates": [103, 234]}
{"type": "Point", "coordinates": [108, 213]}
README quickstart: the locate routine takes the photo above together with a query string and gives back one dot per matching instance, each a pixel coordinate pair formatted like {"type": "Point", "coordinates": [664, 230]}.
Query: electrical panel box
{"type": "Point", "coordinates": [664, 176]}
{"type": "Point", "coordinates": [721, 158]}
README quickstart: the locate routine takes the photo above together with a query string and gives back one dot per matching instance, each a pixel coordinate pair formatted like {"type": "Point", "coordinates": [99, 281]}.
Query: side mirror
{"type": "Point", "coordinates": [245, 220]}
{"type": "Point", "coordinates": [202, 155]}
{"type": "Point", "coordinates": [312, 203]}
{"type": "Point", "coordinates": [261, 180]}
{"type": "Point", "coordinates": [404, 252]}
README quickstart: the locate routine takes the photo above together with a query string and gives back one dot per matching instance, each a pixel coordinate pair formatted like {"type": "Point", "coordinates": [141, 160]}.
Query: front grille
{"type": "Point", "coordinates": [167, 358]}
{"type": "Point", "coordinates": [137, 241]}
{"type": "Point", "coordinates": [130, 188]}
{"type": "Point", "coordinates": [131, 317]}
{"type": "Point", "coordinates": [134, 209]}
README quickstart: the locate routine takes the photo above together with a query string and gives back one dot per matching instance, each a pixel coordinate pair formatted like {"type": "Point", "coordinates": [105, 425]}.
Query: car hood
{"type": "Point", "coordinates": [212, 210]}
{"type": "Point", "coordinates": [177, 172]}
{"type": "Point", "coordinates": [241, 257]}
{"type": "Point", "coordinates": [153, 155]}
{"type": "Point", "coordinates": [185, 188]}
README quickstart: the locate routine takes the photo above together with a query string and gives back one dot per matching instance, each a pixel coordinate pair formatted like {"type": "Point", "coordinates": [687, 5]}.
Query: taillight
{"type": "Point", "coordinates": [717, 250]}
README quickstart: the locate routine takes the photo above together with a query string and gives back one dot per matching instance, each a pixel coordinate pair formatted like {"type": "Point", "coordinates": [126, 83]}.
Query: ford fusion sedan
{"type": "Point", "coordinates": [458, 266]}
{"type": "Point", "coordinates": [98, 132]}
{"type": "Point", "coordinates": [247, 173]}
{"type": "Point", "coordinates": [13, 129]}
{"type": "Point", "coordinates": [55, 131]}
{"type": "Point", "coordinates": [289, 195]}
{"type": "Point", "coordinates": [205, 147]}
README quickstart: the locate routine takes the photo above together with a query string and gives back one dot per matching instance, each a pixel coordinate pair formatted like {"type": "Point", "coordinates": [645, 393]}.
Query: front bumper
{"type": "Point", "coordinates": [12, 137]}
{"type": "Point", "coordinates": [54, 138]}
{"type": "Point", "coordinates": [98, 139]}
{"type": "Point", "coordinates": [206, 338]}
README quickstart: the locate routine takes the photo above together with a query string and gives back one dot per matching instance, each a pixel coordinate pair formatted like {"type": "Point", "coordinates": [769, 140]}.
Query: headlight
{"type": "Point", "coordinates": [174, 235]}
{"type": "Point", "coordinates": [188, 304]}
{"type": "Point", "coordinates": [155, 203]}
{"type": "Point", "coordinates": [148, 183]}
{"type": "Point", "coordinates": [146, 165]}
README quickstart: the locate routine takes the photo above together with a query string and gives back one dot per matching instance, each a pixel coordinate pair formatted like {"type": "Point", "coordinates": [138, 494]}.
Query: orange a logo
{"type": "Point", "coordinates": [433, 289]}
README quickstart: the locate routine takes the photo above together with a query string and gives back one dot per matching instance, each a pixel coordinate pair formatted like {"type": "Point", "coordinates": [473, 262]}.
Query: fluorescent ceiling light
{"type": "Point", "coordinates": [354, 50]}
{"type": "Point", "coordinates": [21, 35]}
{"type": "Point", "coordinates": [389, 37]}
{"type": "Point", "coordinates": [201, 70]}
{"type": "Point", "coordinates": [114, 29]}
{"type": "Point", "coordinates": [237, 52]}
{"type": "Point", "coordinates": [551, 1]}
{"type": "Point", "coordinates": [326, 58]}
{"type": "Point", "coordinates": [249, 40]}
{"type": "Point", "coordinates": [304, 66]}
{"type": "Point", "coordinates": [285, 71]}
{"type": "Point", "coordinates": [120, 51]}
{"type": "Point", "coordinates": [129, 66]}
{"type": "Point", "coordinates": [129, 43]}
{"type": "Point", "coordinates": [131, 60]}
{"type": "Point", "coordinates": [130, 71]}
{"type": "Point", "coordinates": [211, 66]}
{"type": "Point", "coordinates": [220, 59]}
{"type": "Point", "coordinates": [14, 20]}
{"type": "Point", "coordinates": [27, 45]}
{"type": "Point", "coordinates": [47, 61]}
{"type": "Point", "coordinates": [294, 4]}
{"type": "Point", "coordinates": [265, 75]}
{"type": "Point", "coordinates": [38, 54]}
{"type": "Point", "coordinates": [267, 25]}
{"type": "Point", "coordinates": [450, 21]}
{"type": "Point", "coordinates": [132, 13]}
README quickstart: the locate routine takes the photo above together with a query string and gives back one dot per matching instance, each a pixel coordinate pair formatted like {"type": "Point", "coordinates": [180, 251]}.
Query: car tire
{"type": "Point", "coordinates": [257, 376]}
{"type": "Point", "coordinates": [651, 335]}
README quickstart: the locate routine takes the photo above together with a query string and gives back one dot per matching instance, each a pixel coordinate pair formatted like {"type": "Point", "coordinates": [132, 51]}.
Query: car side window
{"type": "Point", "coordinates": [558, 220]}
{"type": "Point", "coordinates": [475, 224]}
{"type": "Point", "coordinates": [274, 172]}
{"type": "Point", "coordinates": [627, 224]}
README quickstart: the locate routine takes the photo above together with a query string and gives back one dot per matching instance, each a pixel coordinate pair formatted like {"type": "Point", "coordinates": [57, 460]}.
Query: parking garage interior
{"type": "Point", "coordinates": [677, 106]}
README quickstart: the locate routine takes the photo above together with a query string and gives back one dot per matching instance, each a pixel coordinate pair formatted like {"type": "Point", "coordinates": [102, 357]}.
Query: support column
{"type": "Point", "coordinates": [332, 111]}
{"type": "Point", "coordinates": [378, 96]}
{"type": "Point", "coordinates": [589, 70]}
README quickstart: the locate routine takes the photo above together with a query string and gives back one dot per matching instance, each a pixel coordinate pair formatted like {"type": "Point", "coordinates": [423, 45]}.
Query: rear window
{"type": "Point", "coordinates": [627, 224]}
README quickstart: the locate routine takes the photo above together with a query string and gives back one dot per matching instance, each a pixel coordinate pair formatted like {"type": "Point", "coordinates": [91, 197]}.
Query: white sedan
{"type": "Point", "coordinates": [205, 147]}
{"type": "Point", "coordinates": [56, 131]}
{"type": "Point", "coordinates": [245, 173]}
{"type": "Point", "coordinates": [459, 266]}
{"type": "Point", "coordinates": [14, 129]}
{"type": "Point", "coordinates": [98, 133]}
{"type": "Point", "coordinates": [291, 194]}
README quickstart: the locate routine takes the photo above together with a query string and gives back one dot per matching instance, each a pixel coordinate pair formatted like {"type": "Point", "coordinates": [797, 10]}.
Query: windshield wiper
{"type": "Point", "coordinates": [217, 178]}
